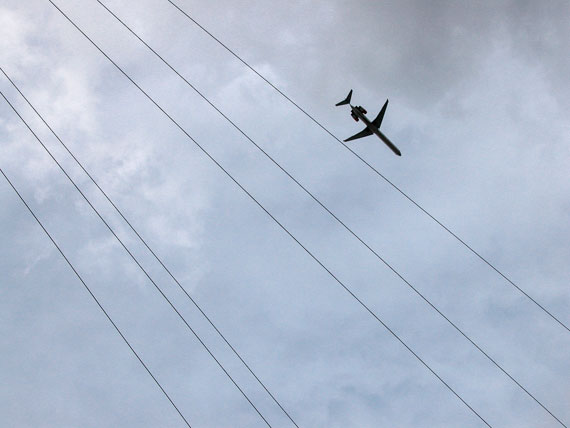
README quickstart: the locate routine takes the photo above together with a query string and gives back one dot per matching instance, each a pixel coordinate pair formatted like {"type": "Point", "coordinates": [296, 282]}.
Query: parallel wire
{"type": "Point", "coordinates": [95, 298]}
{"type": "Point", "coordinates": [138, 263]}
{"type": "Point", "coordinates": [409, 198]}
{"type": "Point", "coordinates": [273, 218]}
{"type": "Point", "coordinates": [153, 253]}
{"type": "Point", "coordinates": [375, 253]}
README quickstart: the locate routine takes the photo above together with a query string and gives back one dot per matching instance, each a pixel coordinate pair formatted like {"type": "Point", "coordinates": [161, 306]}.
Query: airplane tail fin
{"type": "Point", "coordinates": [346, 100]}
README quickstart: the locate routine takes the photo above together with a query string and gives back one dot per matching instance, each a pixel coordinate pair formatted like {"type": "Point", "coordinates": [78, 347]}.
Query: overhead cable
{"type": "Point", "coordinates": [168, 271]}
{"type": "Point", "coordinates": [96, 300]}
{"type": "Point", "coordinates": [345, 226]}
{"type": "Point", "coordinates": [139, 265]}
{"type": "Point", "coordinates": [373, 169]}
{"type": "Point", "coordinates": [376, 317]}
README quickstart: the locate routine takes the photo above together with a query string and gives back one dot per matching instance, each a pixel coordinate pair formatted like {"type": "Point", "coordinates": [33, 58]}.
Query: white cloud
{"type": "Point", "coordinates": [484, 138]}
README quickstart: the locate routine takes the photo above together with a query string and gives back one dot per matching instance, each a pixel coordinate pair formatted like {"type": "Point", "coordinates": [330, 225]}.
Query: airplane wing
{"type": "Point", "coordinates": [364, 133]}
{"type": "Point", "coordinates": [378, 121]}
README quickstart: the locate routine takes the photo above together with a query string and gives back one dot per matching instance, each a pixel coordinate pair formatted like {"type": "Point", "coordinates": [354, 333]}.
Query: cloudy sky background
{"type": "Point", "coordinates": [479, 102]}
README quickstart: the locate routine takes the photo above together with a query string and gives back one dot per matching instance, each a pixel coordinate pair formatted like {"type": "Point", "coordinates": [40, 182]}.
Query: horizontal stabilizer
{"type": "Point", "coordinates": [346, 100]}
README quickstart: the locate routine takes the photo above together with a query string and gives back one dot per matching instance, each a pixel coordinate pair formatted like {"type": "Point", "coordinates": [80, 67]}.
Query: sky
{"type": "Point", "coordinates": [478, 105]}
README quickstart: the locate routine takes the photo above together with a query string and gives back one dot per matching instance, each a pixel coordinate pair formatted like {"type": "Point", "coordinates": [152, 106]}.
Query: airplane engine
{"type": "Point", "coordinates": [355, 117]}
{"type": "Point", "coordinates": [362, 109]}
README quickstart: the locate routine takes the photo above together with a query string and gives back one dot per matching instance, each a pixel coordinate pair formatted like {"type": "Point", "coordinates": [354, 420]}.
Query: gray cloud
{"type": "Point", "coordinates": [478, 106]}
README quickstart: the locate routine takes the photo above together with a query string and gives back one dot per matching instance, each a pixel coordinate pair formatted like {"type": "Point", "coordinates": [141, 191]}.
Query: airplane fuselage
{"type": "Point", "coordinates": [356, 111]}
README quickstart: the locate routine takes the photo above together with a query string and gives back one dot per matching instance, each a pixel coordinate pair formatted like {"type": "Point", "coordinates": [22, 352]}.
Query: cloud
{"type": "Point", "coordinates": [477, 107]}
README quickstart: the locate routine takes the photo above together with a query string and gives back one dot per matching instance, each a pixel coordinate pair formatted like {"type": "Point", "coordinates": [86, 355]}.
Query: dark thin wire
{"type": "Point", "coordinates": [152, 252]}
{"type": "Point", "coordinates": [272, 217]}
{"type": "Point", "coordinates": [332, 214]}
{"type": "Point", "coordinates": [95, 298]}
{"type": "Point", "coordinates": [409, 198]}
{"type": "Point", "coordinates": [138, 263]}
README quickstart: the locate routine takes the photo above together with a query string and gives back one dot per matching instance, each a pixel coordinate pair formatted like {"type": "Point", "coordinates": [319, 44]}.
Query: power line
{"type": "Point", "coordinates": [95, 298]}
{"type": "Point", "coordinates": [138, 264]}
{"type": "Point", "coordinates": [271, 216]}
{"type": "Point", "coordinates": [375, 253]}
{"type": "Point", "coordinates": [154, 254]}
{"type": "Point", "coordinates": [378, 173]}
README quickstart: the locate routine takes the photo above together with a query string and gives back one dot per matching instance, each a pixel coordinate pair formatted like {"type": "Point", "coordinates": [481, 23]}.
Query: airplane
{"type": "Point", "coordinates": [358, 112]}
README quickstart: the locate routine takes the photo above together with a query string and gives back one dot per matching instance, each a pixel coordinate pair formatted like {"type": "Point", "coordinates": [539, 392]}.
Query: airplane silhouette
{"type": "Point", "coordinates": [372, 127]}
